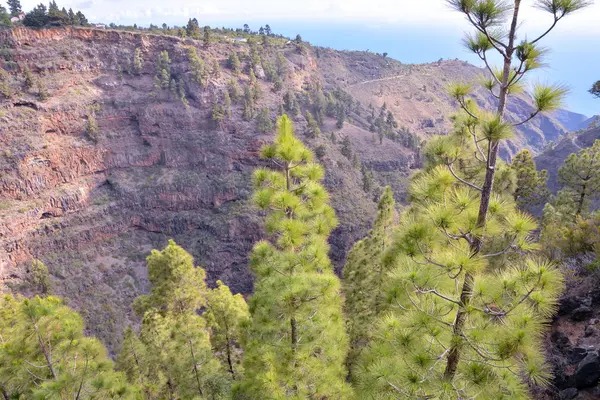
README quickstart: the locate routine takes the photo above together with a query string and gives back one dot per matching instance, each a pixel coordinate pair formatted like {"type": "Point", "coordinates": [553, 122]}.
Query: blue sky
{"type": "Point", "coordinates": [412, 31]}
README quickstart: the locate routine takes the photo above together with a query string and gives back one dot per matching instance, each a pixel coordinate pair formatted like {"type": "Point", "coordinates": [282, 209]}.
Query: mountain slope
{"type": "Point", "coordinates": [554, 157]}
{"type": "Point", "coordinates": [92, 206]}
{"type": "Point", "coordinates": [417, 95]}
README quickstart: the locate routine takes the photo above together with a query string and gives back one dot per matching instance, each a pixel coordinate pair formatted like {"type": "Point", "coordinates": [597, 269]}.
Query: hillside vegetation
{"type": "Point", "coordinates": [146, 178]}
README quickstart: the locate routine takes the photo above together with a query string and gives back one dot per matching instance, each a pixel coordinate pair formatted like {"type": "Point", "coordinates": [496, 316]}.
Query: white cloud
{"type": "Point", "coordinates": [421, 12]}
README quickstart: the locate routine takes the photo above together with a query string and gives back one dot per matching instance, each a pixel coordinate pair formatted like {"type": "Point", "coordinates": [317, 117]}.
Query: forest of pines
{"type": "Point", "coordinates": [447, 297]}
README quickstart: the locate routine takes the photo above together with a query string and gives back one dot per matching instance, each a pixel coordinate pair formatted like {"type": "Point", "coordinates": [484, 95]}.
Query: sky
{"type": "Point", "coordinates": [412, 31]}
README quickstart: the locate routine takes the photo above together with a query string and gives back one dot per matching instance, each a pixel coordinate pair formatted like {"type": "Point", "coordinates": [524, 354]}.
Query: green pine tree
{"type": "Point", "coordinates": [233, 63]}
{"type": "Point", "coordinates": [172, 358]}
{"type": "Point", "coordinates": [138, 61]}
{"type": "Point", "coordinates": [227, 316]}
{"type": "Point", "coordinates": [531, 184]}
{"type": "Point", "coordinates": [581, 175]}
{"type": "Point", "coordinates": [467, 300]}
{"type": "Point", "coordinates": [15, 7]}
{"type": "Point", "coordinates": [312, 127]}
{"type": "Point", "coordinates": [207, 37]}
{"type": "Point", "coordinates": [199, 73]}
{"type": "Point", "coordinates": [364, 276]}
{"type": "Point", "coordinates": [265, 124]}
{"type": "Point", "coordinates": [45, 354]}
{"type": "Point", "coordinates": [296, 342]}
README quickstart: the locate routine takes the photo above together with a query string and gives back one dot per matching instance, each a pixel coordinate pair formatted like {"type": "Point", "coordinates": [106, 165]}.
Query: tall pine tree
{"type": "Point", "coordinates": [467, 302]}
{"type": "Point", "coordinates": [227, 316]}
{"type": "Point", "coordinates": [364, 276]}
{"type": "Point", "coordinates": [172, 358]}
{"type": "Point", "coordinates": [531, 184]}
{"type": "Point", "coordinates": [296, 342]}
{"type": "Point", "coordinates": [581, 175]}
{"type": "Point", "coordinates": [44, 354]}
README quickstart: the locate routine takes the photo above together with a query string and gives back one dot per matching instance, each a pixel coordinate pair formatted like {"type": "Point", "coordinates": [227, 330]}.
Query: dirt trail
{"type": "Point", "coordinates": [389, 78]}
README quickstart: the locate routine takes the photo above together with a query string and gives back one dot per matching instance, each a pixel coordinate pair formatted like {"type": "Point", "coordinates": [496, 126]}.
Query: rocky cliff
{"type": "Point", "coordinates": [91, 207]}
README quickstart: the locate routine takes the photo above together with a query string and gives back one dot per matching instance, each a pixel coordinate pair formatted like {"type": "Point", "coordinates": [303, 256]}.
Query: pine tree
{"type": "Point", "coordinates": [364, 276]}
{"type": "Point", "coordinates": [227, 316]}
{"type": "Point", "coordinates": [45, 355]}
{"type": "Point", "coordinates": [340, 116]}
{"type": "Point", "coordinates": [207, 37]}
{"type": "Point", "coordinates": [312, 127]}
{"type": "Point", "coordinates": [15, 7]}
{"type": "Point", "coordinates": [531, 184]}
{"type": "Point", "coordinates": [218, 115]}
{"type": "Point", "coordinates": [133, 362]}
{"type": "Point", "coordinates": [81, 19]}
{"type": "Point", "coordinates": [265, 125]}
{"type": "Point", "coordinates": [234, 90]}
{"type": "Point", "coordinates": [216, 69]}
{"type": "Point", "coordinates": [346, 149]}
{"type": "Point", "coordinates": [253, 82]}
{"type": "Point", "coordinates": [199, 74]}
{"type": "Point", "coordinates": [138, 62]}
{"type": "Point", "coordinates": [163, 63]}
{"type": "Point", "coordinates": [193, 29]}
{"type": "Point", "coordinates": [39, 277]}
{"type": "Point", "coordinates": [248, 109]}
{"type": "Point", "coordinates": [282, 66]}
{"type": "Point", "coordinates": [296, 341]}
{"type": "Point", "coordinates": [28, 77]}
{"type": "Point", "coordinates": [367, 179]}
{"type": "Point", "coordinates": [4, 17]}
{"type": "Point", "coordinates": [595, 89]}
{"type": "Point", "coordinates": [91, 128]}
{"type": "Point", "coordinates": [467, 302]}
{"type": "Point", "coordinates": [42, 90]}
{"type": "Point", "coordinates": [172, 358]}
{"type": "Point", "coordinates": [233, 63]}
{"type": "Point", "coordinates": [290, 104]}
{"type": "Point", "coordinates": [581, 174]}
{"type": "Point", "coordinates": [227, 103]}
{"type": "Point", "coordinates": [182, 93]}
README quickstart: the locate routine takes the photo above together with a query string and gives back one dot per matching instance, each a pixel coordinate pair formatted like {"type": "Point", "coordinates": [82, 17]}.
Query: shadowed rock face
{"type": "Point", "coordinates": [93, 209]}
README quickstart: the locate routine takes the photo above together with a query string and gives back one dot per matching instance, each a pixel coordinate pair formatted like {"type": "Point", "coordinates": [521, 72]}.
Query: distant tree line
{"type": "Point", "coordinates": [42, 16]}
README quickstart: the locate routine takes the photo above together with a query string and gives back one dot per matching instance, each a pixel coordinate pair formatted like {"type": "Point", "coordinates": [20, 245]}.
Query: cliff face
{"type": "Point", "coordinates": [92, 208]}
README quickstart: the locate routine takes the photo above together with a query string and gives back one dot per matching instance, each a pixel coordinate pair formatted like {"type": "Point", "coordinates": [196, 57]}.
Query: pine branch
{"type": "Point", "coordinates": [509, 247]}
{"type": "Point", "coordinates": [449, 165]}
{"type": "Point", "coordinates": [463, 105]}
{"type": "Point", "coordinates": [532, 116]}
{"type": "Point", "coordinates": [476, 141]}
{"type": "Point", "coordinates": [556, 19]}
{"type": "Point", "coordinates": [435, 292]}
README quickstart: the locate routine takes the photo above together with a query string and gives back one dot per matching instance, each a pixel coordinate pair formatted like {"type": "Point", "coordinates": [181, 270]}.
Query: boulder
{"type": "Point", "coordinates": [568, 394]}
{"type": "Point", "coordinates": [588, 371]}
{"type": "Point", "coordinates": [582, 313]}
{"type": "Point", "coordinates": [576, 354]}
{"type": "Point", "coordinates": [560, 340]}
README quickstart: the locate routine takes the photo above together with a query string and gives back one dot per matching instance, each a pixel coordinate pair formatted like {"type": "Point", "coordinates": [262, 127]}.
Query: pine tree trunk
{"type": "Point", "coordinates": [82, 380]}
{"type": "Point", "coordinates": [294, 333]}
{"type": "Point", "coordinates": [195, 368]}
{"type": "Point", "coordinates": [228, 348]}
{"type": "Point", "coordinates": [5, 394]}
{"type": "Point", "coordinates": [45, 351]}
{"type": "Point", "coordinates": [486, 195]}
{"type": "Point", "coordinates": [581, 201]}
